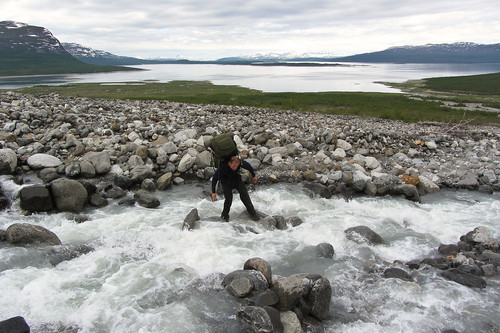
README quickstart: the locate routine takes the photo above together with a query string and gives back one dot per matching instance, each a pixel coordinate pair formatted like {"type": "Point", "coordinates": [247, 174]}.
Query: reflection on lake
{"type": "Point", "coordinates": [348, 77]}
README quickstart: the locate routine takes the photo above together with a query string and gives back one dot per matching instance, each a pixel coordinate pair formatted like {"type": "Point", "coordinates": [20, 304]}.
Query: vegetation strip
{"type": "Point", "coordinates": [378, 105]}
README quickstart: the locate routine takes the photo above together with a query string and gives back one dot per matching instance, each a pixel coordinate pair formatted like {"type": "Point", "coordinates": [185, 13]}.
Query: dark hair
{"type": "Point", "coordinates": [227, 159]}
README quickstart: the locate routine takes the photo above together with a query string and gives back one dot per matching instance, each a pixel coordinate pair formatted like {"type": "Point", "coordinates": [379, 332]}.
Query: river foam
{"type": "Point", "coordinates": [146, 274]}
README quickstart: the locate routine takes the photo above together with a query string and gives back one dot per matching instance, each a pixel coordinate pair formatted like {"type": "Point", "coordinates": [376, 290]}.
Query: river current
{"type": "Point", "coordinates": [146, 274]}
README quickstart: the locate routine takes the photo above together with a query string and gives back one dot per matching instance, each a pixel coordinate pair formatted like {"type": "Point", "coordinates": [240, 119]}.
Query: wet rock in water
{"type": "Point", "coordinates": [408, 190]}
{"type": "Point", "coordinates": [464, 278]}
{"type": "Point", "coordinates": [36, 198]}
{"type": "Point", "coordinates": [3, 235]}
{"type": "Point", "coordinates": [14, 325]}
{"type": "Point", "coordinates": [255, 319]}
{"type": "Point", "coordinates": [190, 220]}
{"type": "Point", "coordinates": [295, 221]}
{"type": "Point", "coordinates": [146, 199]}
{"type": "Point", "coordinates": [362, 234]}
{"type": "Point", "coordinates": [397, 273]}
{"type": "Point", "coordinates": [69, 195]}
{"type": "Point", "coordinates": [318, 189]}
{"type": "Point", "coordinates": [59, 254]}
{"type": "Point", "coordinates": [325, 250]}
{"type": "Point", "coordinates": [319, 298]}
{"type": "Point", "coordinates": [280, 222]}
{"type": "Point", "coordinates": [258, 279]}
{"type": "Point", "coordinates": [259, 264]}
{"type": "Point", "coordinates": [97, 200]}
{"type": "Point", "coordinates": [25, 233]}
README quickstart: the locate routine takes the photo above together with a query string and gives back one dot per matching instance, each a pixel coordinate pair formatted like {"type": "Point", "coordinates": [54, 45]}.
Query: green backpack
{"type": "Point", "coordinates": [222, 146]}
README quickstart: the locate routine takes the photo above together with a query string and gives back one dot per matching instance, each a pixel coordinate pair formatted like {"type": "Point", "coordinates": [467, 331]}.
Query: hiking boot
{"type": "Point", "coordinates": [224, 218]}
{"type": "Point", "coordinates": [254, 217]}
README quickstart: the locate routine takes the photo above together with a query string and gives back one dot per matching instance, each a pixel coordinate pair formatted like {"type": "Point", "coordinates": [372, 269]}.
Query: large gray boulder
{"type": "Point", "coordinates": [36, 198]}
{"type": "Point", "coordinates": [259, 264]}
{"type": "Point", "coordinates": [255, 319]}
{"type": "Point", "coordinates": [190, 219]}
{"type": "Point", "coordinates": [146, 199]}
{"type": "Point", "coordinates": [362, 233]}
{"type": "Point", "coordinates": [8, 161]}
{"type": "Point", "coordinates": [25, 233]}
{"type": "Point", "coordinates": [69, 195]}
{"type": "Point", "coordinates": [258, 279]}
{"type": "Point", "coordinates": [100, 160]}
{"type": "Point", "coordinates": [41, 161]}
{"type": "Point", "coordinates": [14, 325]}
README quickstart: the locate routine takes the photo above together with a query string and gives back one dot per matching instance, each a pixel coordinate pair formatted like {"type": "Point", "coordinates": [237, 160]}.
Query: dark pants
{"type": "Point", "coordinates": [237, 183]}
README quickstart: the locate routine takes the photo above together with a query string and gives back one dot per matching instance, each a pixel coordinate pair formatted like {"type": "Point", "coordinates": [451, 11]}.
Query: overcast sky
{"type": "Point", "coordinates": [219, 28]}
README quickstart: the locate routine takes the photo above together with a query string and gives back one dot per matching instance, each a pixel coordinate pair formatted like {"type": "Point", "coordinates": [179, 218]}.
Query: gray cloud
{"type": "Point", "coordinates": [219, 28]}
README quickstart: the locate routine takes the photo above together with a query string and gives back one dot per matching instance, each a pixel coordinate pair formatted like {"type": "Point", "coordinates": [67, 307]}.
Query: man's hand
{"type": "Point", "coordinates": [255, 180]}
{"type": "Point", "coordinates": [214, 196]}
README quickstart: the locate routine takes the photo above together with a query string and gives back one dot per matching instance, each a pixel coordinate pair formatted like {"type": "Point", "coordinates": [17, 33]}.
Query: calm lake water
{"type": "Point", "coordinates": [346, 77]}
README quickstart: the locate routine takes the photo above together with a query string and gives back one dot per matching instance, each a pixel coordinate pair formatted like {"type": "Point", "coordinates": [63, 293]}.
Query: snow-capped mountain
{"type": "Point", "coordinates": [99, 57]}
{"type": "Point", "coordinates": [21, 36]}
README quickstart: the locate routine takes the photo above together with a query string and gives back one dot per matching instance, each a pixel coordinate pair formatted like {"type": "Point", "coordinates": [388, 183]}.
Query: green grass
{"type": "Point", "coordinates": [378, 105]}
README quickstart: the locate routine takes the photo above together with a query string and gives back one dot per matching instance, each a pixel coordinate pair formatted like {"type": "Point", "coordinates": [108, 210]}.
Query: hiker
{"type": "Point", "coordinates": [229, 176]}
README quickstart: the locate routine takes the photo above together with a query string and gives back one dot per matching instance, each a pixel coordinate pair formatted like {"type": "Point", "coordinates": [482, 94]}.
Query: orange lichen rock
{"type": "Point", "coordinates": [412, 180]}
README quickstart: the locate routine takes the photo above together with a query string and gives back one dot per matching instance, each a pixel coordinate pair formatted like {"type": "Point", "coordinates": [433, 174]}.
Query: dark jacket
{"type": "Point", "coordinates": [226, 173]}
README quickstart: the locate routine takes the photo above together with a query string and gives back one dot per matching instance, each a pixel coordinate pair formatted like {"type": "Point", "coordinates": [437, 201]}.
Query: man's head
{"type": "Point", "coordinates": [234, 162]}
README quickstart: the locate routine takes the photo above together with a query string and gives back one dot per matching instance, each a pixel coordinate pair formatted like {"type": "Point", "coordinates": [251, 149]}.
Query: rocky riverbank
{"type": "Point", "coordinates": [112, 146]}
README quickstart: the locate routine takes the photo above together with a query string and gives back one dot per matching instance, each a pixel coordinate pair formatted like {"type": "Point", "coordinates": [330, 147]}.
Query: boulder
{"type": "Point", "coordinates": [186, 163]}
{"type": "Point", "coordinates": [190, 219]}
{"type": "Point", "coordinates": [146, 199]}
{"type": "Point", "coordinates": [25, 233]}
{"type": "Point", "coordinates": [319, 298]}
{"type": "Point", "coordinates": [255, 319]}
{"type": "Point", "coordinates": [36, 198]}
{"type": "Point", "coordinates": [259, 264]}
{"type": "Point", "coordinates": [69, 195]}
{"type": "Point", "coordinates": [99, 160]}
{"type": "Point", "coordinates": [258, 279]}
{"type": "Point", "coordinates": [408, 190]}
{"type": "Point", "coordinates": [290, 321]}
{"type": "Point", "coordinates": [41, 161]}
{"type": "Point", "coordinates": [240, 287]}
{"type": "Point", "coordinates": [291, 290]}
{"type": "Point", "coordinates": [140, 172]}
{"type": "Point", "coordinates": [8, 161]}
{"type": "Point", "coordinates": [325, 250]}
{"type": "Point", "coordinates": [464, 278]}
{"type": "Point", "coordinates": [203, 159]}
{"type": "Point", "coordinates": [397, 273]}
{"type": "Point", "coordinates": [295, 221]}
{"type": "Point", "coordinates": [164, 181]}
{"type": "Point", "coordinates": [318, 189]}
{"type": "Point", "coordinates": [362, 233]}
{"type": "Point", "coordinates": [14, 325]}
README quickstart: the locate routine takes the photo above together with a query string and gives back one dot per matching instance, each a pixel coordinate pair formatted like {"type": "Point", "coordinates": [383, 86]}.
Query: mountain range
{"type": "Point", "coordinates": [28, 50]}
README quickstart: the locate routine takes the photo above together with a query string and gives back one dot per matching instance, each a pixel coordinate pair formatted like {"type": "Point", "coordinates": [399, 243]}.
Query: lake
{"type": "Point", "coordinates": [346, 77]}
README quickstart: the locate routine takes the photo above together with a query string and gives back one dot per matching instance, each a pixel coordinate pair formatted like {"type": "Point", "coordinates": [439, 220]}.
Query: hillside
{"type": "Point", "coordinates": [31, 50]}
{"type": "Point", "coordinates": [432, 53]}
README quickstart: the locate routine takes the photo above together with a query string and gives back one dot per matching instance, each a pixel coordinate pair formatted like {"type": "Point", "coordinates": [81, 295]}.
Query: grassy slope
{"type": "Point", "coordinates": [379, 105]}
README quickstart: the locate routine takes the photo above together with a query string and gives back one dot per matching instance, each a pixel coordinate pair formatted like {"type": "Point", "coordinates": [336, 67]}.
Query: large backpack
{"type": "Point", "coordinates": [222, 146]}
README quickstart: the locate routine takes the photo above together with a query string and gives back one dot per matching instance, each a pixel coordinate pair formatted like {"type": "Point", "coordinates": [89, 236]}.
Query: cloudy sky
{"type": "Point", "coordinates": [219, 28]}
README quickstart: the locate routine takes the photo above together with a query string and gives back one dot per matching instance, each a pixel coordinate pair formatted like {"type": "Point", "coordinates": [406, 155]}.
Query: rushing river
{"type": "Point", "coordinates": [145, 274]}
{"type": "Point", "coordinates": [345, 77]}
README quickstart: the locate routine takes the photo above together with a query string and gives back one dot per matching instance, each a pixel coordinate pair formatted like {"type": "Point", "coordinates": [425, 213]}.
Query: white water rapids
{"type": "Point", "coordinates": [145, 274]}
